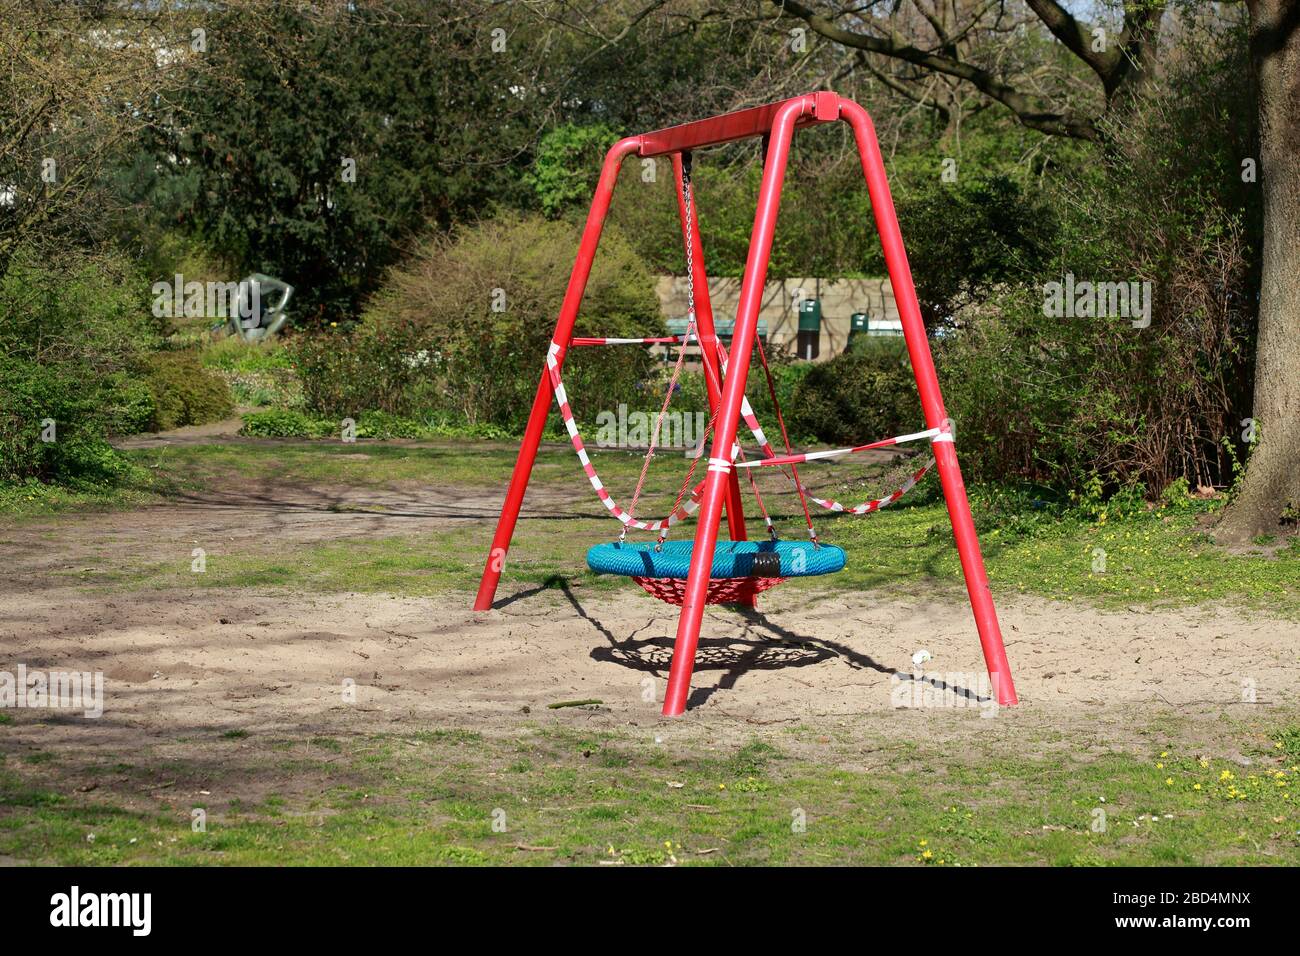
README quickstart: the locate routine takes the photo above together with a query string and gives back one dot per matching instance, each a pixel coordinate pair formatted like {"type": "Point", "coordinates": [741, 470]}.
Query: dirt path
{"type": "Point", "coordinates": [249, 518]}
{"type": "Point", "coordinates": [177, 661]}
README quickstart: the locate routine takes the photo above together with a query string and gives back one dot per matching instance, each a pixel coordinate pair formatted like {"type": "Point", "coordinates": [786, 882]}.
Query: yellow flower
{"type": "Point", "coordinates": [927, 855]}
{"type": "Point", "coordinates": [1160, 766]}
{"type": "Point", "coordinates": [1196, 786]}
{"type": "Point", "coordinates": [1169, 781]}
{"type": "Point", "coordinates": [924, 843]}
{"type": "Point", "coordinates": [1226, 775]}
{"type": "Point", "coordinates": [1164, 753]}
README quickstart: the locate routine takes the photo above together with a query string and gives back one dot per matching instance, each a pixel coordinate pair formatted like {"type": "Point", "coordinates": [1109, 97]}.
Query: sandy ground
{"type": "Point", "coordinates": [179, 660]}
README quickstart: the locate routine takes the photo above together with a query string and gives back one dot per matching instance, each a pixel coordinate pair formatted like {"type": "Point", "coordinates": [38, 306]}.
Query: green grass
{"type": "Point", "coordinates": [361, 464]}
{"type": "Point", "coordinates": [1154, 558]}
{"type": "Point", "coordinates": [258, 373]}
{"type": "Point", "coordinates": [231, 354]}
{"type": "Point", "coordinates": [24, 501]}
{"type": "Point", "coordinates": [586, 797]}
{"type": "Point", "coordinates": [389, 565]}
{"type": "Point", "coordinates": [1011, 796]}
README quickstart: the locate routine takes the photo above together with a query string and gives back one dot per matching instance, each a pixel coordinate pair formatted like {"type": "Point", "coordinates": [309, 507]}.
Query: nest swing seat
{"type": "Point", "coordinates": [741, 569]}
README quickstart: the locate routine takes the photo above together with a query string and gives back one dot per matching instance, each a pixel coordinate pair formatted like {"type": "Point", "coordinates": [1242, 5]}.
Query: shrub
{"type": "Point", "coordinates": [383, 365]}
{"type": "Point", "coordinates": [433, 341]}
{"type": "Point", "coordinates": [52, 426]}
{"type": "Point", "coordinates": [285, 423]}
{"type": "Point", "coordinates": [1069, 402]}
{"type": "Point", "coordinates": [71, 330]}
{"type": "Point", "coordinates": [257, 373]}
{"type": "Point", "coordinates": [183, 392]}
{"type": "Point", "coordinates": [861, 395]}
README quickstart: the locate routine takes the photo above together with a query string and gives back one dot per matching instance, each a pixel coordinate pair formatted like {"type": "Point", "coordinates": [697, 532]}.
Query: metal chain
{"type": "Point", "coordinates": [690, 243]}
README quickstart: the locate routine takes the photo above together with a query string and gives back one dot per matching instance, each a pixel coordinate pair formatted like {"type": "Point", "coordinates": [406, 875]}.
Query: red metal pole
{"type": "Point", "coordinates": [724, 430]}
{"type": "Point", "coordinates": [542, 401]}
{"type": "Point", "coordinates": [708, 341]}
{"type": "Point", "coordinates": [927, 383]}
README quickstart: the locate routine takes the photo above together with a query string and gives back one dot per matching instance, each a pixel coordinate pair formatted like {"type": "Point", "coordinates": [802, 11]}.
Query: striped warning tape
{"type": "Point", "coordinates": [659, 340]}
{"type": "Point", "coordinates": [685, 510]}
{"type": "Point", "coordinates": [771, 458]}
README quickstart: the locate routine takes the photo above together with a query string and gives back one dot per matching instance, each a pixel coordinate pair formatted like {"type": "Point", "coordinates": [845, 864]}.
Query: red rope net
{"type": "Point", "coordinates": [721, 590]}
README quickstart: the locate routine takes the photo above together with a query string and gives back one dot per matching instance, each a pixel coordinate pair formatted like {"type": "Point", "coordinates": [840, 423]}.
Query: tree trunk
{"type": "Point", "coordinates": [1272, 479]}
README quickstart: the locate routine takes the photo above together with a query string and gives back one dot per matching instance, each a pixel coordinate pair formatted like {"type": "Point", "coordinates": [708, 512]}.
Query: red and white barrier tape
{"type": "Point", "coordinates": [837, 452]}
{"type": "Point", "coordinates": [869, 506]}
{"type": "Point", "coordinates": [566, 414]}
{"type": "Point", "coordinates": [718, 464]}
{"type": "Point", "coordinates": [661, 340]}
{"type": "Point", "coordinates": [771, 458]}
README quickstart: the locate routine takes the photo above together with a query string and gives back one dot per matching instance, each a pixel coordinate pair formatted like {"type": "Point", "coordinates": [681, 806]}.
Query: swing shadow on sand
{"type": "Point", "coordinates": [762, 645]}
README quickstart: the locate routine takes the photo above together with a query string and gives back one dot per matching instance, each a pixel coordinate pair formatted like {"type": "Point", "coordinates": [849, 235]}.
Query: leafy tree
{"type": "Point", "coordinates": [567, 166]}
{"type": "Point", "coordinates": [965, 240]}
{"type": "Point", "coordinates": [323, 138]}
{"type": "Point", "coordinates": [73, 78]}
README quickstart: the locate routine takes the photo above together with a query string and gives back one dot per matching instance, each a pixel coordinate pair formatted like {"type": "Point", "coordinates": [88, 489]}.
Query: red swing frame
{"type": "Point", "coordinates": [775, 123]}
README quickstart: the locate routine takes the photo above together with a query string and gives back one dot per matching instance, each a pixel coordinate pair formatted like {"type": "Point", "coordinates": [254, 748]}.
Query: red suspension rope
{"type": "Point", "coordinates": [785, 438]}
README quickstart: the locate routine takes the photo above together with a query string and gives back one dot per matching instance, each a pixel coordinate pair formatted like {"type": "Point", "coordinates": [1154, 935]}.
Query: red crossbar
{"type": "Point", "coordinates": [742, 124]}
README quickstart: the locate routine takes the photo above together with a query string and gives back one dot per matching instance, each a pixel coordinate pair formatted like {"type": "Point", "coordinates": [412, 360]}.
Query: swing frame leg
{"type": "Point", "coordinates": [541, 408]}
{"type": "Point", "coordinates": [927, 384]}
{"type": "Point", "coordinates": [724, 429]}
{"type": "Point", "coordinates": [523, 469]}
{"type": "Point", "coordinates": [778, 146]}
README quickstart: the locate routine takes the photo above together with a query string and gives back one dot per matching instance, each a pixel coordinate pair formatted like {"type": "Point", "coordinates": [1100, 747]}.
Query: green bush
{"type": "Point", "coordinates": [381, 365]}
{"type": "Point", "coordinates": [462, 330]}
{"type": "Point", "coordinates": [1077, 401]}
{"type": "Point", "coordinates": [285, 423]}
{"type": "Point", "coordinates": [183, 392]}
{"type": "Point", "coordinates": [257, 373]}
{"type": "Point", "coordinates": [52, 426]}
{"type": "Point", "coordinates": [861, 395]}
{"type": "Point", "coordinates": [71, 331]}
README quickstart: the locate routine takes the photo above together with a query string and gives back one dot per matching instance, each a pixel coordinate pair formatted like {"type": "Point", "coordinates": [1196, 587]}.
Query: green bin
{"type": "Point", "coordinates": [810, 328]}
{"type": "Point", "coordinates": [859, 324]}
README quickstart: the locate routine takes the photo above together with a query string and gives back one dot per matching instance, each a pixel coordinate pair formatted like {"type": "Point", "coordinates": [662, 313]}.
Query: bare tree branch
{"type": "Point", "coordinates": [1025, 109]}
